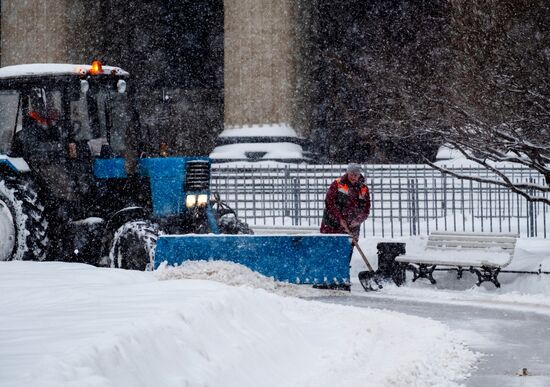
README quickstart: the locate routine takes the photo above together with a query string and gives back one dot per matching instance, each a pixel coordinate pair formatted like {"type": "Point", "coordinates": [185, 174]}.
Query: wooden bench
{"type": "Point", "coordinates": [484, 254]}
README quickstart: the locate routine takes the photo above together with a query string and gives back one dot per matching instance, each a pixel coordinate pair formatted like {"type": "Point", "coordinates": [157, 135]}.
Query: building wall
{"type": "Point", "coordinates": [258, 61]}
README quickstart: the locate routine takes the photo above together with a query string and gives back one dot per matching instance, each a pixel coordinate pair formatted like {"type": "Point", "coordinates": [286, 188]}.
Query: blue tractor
{"type": "Point", "coordinates": [80, 181]}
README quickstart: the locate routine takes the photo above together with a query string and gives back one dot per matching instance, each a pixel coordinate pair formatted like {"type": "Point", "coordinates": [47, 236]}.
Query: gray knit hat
{"type": "Point", "coordinates": [354, 168]}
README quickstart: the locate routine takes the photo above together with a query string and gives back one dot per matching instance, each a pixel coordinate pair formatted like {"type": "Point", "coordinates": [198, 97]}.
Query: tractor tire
{"type": "Point", "coordinates": [244, 228]}
{"type": "Point", "coordinates": [23, 227]}
{"type": "Point", "coordinates": [230, 224]}
{"type": "Point", "coordinates": [133, 246]}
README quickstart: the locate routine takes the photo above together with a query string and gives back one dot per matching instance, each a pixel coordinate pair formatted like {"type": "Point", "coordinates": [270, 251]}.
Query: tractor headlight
{"type": "Point", "coordinates": [202, 200]}
{"type": "Point", "coordinates": [190, 201]}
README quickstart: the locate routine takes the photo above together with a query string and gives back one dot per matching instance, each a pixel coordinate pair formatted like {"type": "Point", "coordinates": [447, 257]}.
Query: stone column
{"type": "Point", "coordinates": [259, 61]}
{"type": "Point", "coordinates": [33, 31]}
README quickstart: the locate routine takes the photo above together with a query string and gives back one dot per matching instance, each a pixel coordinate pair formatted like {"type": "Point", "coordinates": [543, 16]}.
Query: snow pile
{"type": "Point", "coordinates": [76, 325]}
{"type": "Point", "coordinates": [235, 274]}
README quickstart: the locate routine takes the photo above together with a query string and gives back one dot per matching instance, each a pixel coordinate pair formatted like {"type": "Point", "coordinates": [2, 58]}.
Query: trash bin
{"type": "Point", "coordinates": [387, 266]}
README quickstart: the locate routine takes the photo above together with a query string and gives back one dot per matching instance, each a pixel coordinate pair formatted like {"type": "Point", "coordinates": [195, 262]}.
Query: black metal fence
{"type": "Point", "coordinates": [406, 199]}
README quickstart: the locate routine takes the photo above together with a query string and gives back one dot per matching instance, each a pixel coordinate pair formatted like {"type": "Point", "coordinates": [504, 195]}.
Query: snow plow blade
{"type": "Point", "coordinates": [301, 259]}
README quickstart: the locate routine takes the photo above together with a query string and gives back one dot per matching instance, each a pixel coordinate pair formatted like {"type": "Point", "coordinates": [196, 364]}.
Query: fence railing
{"type": "Point", "coordinates": [406, 199]}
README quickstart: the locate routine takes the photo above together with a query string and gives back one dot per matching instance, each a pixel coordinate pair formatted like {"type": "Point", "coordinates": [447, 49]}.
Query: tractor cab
{"type": "Point", "coordinates": [51, 111]}
{"type": "Point", "coordinates": [59, 118]}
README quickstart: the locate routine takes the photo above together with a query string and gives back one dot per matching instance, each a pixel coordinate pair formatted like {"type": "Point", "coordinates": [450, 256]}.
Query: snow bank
{"type": "Point", "coordinates": [75, 325]}
{"type": "Point", "coordinates": [235, 274]}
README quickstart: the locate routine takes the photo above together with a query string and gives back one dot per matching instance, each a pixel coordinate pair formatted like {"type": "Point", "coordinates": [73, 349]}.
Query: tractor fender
{"type": "Point", "coordinates": [12, 165]}
{"type": "Point", "coordinates": [118, 219]}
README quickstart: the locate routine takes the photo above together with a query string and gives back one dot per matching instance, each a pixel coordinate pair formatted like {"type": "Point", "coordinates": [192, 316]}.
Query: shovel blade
{"type": "Point", "coordinates": [370, 280]}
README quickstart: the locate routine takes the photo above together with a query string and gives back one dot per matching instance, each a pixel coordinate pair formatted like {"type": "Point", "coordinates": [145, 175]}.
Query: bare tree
{"type": "Point", "coordinates": [496, 101]}
{"type": "Point", "coordinates": [375, 63]}
{"type": "Point", "coordinates": [399, 79]}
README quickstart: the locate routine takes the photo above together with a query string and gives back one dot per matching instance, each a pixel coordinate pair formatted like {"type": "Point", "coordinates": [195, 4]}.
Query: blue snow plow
{"type": "Point", "coordinates": [301, 259]}
{"type": "Point", "coordinates": [176, 185]}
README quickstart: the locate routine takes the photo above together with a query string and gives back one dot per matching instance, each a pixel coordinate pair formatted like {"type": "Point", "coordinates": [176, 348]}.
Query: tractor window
{"type": "Point", "coordinates": [101, 114]}
{"type": "Point", "coordinates": [120, 120]}
{"type": "Point", "coordinates": [10, 116]}
{"type": "Point", "coordinates": [80, 119]}
{"type": "Point", "coordinates": [43, 115]}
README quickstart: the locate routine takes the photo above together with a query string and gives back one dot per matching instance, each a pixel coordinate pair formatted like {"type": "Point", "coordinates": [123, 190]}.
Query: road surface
{"type": "Point", "coordinates": [509, 338]}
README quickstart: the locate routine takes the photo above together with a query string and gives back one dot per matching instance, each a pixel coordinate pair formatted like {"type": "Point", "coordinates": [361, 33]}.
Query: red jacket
{"type": "Point", "coordinates": [347, 201]}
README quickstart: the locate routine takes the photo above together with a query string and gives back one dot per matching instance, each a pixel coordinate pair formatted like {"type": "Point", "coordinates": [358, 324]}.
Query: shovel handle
{"type": "Point", "coordinates": [356, 244]}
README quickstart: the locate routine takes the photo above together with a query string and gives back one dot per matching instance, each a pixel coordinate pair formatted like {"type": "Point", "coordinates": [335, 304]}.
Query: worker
{"type": "Point", "coordinates": [45, 127]}
{"type": "Point", "coordinates": [347, 203]}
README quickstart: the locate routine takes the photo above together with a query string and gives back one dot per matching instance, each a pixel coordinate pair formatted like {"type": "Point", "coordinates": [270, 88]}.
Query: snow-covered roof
{"type": "Point", "coordinates": [258, 151]}
{"type": "Point", "coordinates": [278, 142]}
{"type": "Point", "coordinates": [265, 130]}
{"type": "Point", "coordinates": [447, 152]}
{"type": "Point", "coordinates": [37, 69]}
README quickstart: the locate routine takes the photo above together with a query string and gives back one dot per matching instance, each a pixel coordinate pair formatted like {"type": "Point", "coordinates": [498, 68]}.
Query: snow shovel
{"type": "Point", "coordinates": [370, 280]}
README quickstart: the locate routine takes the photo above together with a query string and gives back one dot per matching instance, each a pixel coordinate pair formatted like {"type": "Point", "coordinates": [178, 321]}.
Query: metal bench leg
{"type": "Point", "coordinates": [459, 272]}
{"type": "Point", "coordinates": [486, 274]}
{"type": "Point", "coordinates": [423, 271]}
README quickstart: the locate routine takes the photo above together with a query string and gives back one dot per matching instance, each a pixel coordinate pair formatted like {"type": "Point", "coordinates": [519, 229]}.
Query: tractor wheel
{"type": "Point", "coordinates": [230, 224]}
{"type": "Point", "coordinates": [243, 228]}
{"type": "Point", "coordinates": [134, 245]}
{"type": "Point", "coordinates": [23, 228]}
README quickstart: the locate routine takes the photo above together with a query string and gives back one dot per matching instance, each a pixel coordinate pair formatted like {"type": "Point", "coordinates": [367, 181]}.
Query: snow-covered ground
{"type": "Point", "coordinates": [219, 324]}
{"type": "Point", "coordinates": [66, 324]}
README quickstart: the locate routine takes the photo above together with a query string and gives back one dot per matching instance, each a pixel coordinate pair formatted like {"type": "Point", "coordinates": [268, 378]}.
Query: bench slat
{"type": "Point", "coordinates": [466, 262]}
{"type": "Point", "coordinates": [479, 238]}
{"type": "Point", "coordinates": [475, 234]}
{"type": "Point", "coordinates": [456, 245]}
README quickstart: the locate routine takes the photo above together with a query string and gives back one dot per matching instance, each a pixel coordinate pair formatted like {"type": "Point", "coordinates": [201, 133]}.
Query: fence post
{"type": "Point", "coordinates": [285, 191]}
{"type": "Point", "coordinates": [296, 200]}
{"type": "Point", "coordinates": [444, 202]}
{"type": "Point", "coordinates": [413, 205]}
{"type": "Point", "coordinates": [531, 213]}
{"type": "Point", "coordinates": [400, 208]}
